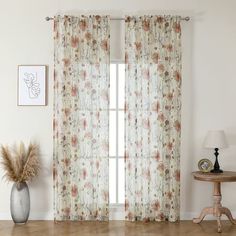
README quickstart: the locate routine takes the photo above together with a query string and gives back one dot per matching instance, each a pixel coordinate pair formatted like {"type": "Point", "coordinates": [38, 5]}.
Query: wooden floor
{"type": "Point", "coordinates": [114, 228]}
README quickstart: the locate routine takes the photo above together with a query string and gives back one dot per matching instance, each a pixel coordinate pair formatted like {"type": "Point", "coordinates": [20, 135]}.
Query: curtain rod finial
{"type": "Point", "coordinates": [187, 18]}
{"type": "Point", "coordinates": [48, 18]}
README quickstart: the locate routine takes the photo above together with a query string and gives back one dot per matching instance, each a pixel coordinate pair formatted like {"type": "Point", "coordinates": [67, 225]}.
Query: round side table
{"type": "Point", "coordinates": [217, 209]}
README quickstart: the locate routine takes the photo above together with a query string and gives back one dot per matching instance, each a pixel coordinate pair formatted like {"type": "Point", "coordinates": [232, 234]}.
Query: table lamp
{"type": "Point", "coordinates": [216, 139]}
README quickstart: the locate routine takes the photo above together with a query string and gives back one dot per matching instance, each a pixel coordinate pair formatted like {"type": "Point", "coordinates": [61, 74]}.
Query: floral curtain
{"type": "Point", "coordinates": [152, 117]}
{"type": "Point", "coordinates": [81, 101]}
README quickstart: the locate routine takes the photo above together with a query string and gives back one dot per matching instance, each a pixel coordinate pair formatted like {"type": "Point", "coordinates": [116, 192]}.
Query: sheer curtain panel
{"type": "Point", "coordinates": [152, 117]}
{"type": "Point", "coordinates": [81, 102]}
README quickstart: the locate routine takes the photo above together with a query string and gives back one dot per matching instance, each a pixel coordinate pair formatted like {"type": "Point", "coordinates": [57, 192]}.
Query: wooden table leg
{"type": "Point", "coordinates": [217, 210]}
{"type": "Point", "coordinates": [227, 212]}
{"type": "Point", "coordinates": [217, 204]}
{"type": "Point", "coordinates": [205, 211]}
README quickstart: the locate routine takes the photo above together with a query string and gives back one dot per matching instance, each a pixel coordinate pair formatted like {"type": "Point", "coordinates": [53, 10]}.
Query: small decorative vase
{"type": "Point", "coordinates": [20, 203]}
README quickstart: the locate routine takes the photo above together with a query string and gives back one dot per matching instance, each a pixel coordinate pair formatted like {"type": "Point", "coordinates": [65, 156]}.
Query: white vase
{"type": "Point", "coordinates": [20, 203]}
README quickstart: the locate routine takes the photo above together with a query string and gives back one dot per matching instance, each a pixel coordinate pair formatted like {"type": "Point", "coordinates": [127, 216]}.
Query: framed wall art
{"type": "Point", "coordinates": [32, 85]}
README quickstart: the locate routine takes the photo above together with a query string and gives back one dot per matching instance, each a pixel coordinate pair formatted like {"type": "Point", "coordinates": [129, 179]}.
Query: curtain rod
{"type": "Point", "coordinates": [187, 18]}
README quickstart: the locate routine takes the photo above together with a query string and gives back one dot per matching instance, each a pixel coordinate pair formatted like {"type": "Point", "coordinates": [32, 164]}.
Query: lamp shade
{"type": "Point", "coordinates": [215, 139]}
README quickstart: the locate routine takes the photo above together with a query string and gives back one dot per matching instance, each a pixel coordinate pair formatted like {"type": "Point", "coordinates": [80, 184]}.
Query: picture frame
{"type": "Point", "coordinates": [205, 165]}
{"type": "Point", "coordinates": [32, 85]}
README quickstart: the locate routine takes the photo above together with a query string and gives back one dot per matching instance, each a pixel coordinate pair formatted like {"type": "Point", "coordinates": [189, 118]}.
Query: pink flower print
{"type": "Point", "coordinates": [97, 164]}
{"type": "Point", "coordinates": [138, 46]}
{"type": "Point", "coordinates": [67, 111]}
{"type": "Point", "coordinates": [177, 126]}
{"type": "Point", "coordinates": [146, 25]}
{"type": "Point", "coordinates": [83, 25]}
{"type": "Point", "coordinates": [74, 191]}
{"type": "Point", "coordinates": [105, 95]}
{"type": "Point", "coordinates": [105, 195]}
{"type": "Point", "coordinates": [161, 216]}
{"type": "Point", "coordinates": [170, 146]}
{"type": "Point", "coordinates": [157, 156]}
{"type": "Point", "coordinates": [138, 194]}
{"type": "Point", "coordinates": [83, 74]}
{"type": "Point", "coordinates": [147, 175]}
{"type": "Point", "coordinates": [161, 117]}
{"type": "Point", "coordinates": [88, 36]}
{"type": "Point", "coordinates": [161, 167]}
{"type": "Point", "coordinates": [177, 27]}
{"type": "Point", "coordinates": [94, 140]}
{"type": "Point", "coordinates": [74, 141]}
{"type": "Point", "coordinates": [66, 161]}
{"type": "Point", "coordinates": [66, 62]}
{"type": "Point", "coordinates": [159, 19]}
{"type": "Point", "coordinates": [161, 68]}
{"type": "Point", "coordinates": [177, 76]}
{"type": "Point", "coordinates": [155, 57]}
{"type": "Point", "coordinates": [88, 85]}
{"type": "Point", "coordinates": [156, 106]}
{"type": "Point", "coordinates": [67, 211]}
{"type": "Point", "coordinates": [156, 205]}
{"type": "Point", "coordinates": [74, 41]}
{"type": "Point", "coordinates": [129, 166]}
{"type": "Point", "coordinates": [169, 47]}
{"type": "Point", "coordinates": [170, 96]}
{"type": "Point", "coordinates": [105, 145]}
{"type": "Point", "coordinates": [88, 185]}
{"type": "Point", "coordinates": [138, 144]}
{"type": "Point", "coordinates": [146, 123]}
{"type": "Point", "coordinates": [177, 175]}
{"type": "Point", "coordinates": [84, 173]}
{"type": "Point", "coordinates": [146, 74]}
{"type": "Point", "coordinates": [98, 115]}
{"type": "Point", "coordinates": [104, 45]}
{"type": "Point", "coordinates": [169, 195]}
{"type": "Point", "coordinates": [98, 18]}
{"type": "Point", "coordinates": [129, 216]}
{"type": "Point", "coordinates": [74, 91]}
{"type": "Point", "coordinates": [83, 123]}
{"type": "Point", "coordinates": [138, 94]}
{"type": "Point", "coordinates": [129, 116]}
{"type": "Point", "coordinates": [88, 135]}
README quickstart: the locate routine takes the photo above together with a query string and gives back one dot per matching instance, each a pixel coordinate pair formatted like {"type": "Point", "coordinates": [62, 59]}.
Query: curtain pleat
{"type": "Point", "coordinates": [152, 117]}
{"type": "Point", "coordinates": [81, 117]}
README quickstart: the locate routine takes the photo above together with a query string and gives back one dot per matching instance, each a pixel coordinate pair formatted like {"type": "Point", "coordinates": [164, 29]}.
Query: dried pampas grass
{"type": "Point", "coordinates": [19, 164]}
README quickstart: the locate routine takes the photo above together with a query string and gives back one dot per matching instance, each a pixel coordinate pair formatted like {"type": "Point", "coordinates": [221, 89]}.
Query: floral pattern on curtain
{"type": "Point", "coordinates": [152, 117]}
{"type": "Point", "coordinates": [81, 101]}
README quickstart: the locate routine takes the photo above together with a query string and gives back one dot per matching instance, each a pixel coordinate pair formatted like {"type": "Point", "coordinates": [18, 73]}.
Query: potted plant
{"type": "Point", "coordinates": [20, 165]}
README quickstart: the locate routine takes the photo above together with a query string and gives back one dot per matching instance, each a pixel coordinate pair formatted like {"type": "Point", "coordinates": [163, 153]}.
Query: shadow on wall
{"type": "Point", "coordinates": [187, 120]}
{"type": "Point", "coordinates": [40, 193]}
{"type": "Point", "coordinates": [231, 136]}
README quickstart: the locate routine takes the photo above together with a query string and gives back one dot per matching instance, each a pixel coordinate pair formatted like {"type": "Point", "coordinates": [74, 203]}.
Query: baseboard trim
{"type": "Point", "coordinates": [191, 215]}
{"type": "Point", "coordinates": [115, 214]}
{"type": "Point", "coordinates": [32, 216]}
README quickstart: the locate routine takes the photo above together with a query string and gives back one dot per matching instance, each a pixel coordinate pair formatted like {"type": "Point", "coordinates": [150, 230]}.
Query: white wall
{"type": "Point", "coordinates": [209, 83]}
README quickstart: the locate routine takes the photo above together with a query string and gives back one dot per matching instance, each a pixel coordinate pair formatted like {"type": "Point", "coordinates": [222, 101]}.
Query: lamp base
{"type": "Point", "coordinates": [217, 171]}
{"type": "Point", "coordinates": [216, 165]}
